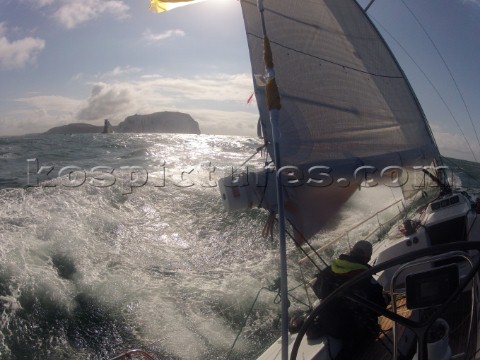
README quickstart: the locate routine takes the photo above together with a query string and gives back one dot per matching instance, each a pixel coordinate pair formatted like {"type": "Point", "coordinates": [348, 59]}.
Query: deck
{"type": "Point", "coordinates": [458, 318]}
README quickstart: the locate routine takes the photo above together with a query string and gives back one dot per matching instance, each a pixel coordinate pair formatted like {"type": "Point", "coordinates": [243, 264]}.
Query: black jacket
{"type": "Point", "coordinates": [342, 313]}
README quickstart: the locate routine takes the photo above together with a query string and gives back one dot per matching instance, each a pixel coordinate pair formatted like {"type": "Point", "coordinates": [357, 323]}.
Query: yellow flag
{"type": "Point", "coordinates": [160, 6]}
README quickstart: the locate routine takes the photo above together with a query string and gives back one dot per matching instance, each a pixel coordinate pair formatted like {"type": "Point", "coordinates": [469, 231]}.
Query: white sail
{"type": "Point", "coordinates": [343, 94]}
{"type": "Point", "coordinates": [345, 103]}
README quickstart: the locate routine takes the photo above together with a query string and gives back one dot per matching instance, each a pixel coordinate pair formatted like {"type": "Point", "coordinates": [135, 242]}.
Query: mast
{"type": "Point", "coordinates": [345, 107]}
{"type": "Point", "coordinates": [273, 103]}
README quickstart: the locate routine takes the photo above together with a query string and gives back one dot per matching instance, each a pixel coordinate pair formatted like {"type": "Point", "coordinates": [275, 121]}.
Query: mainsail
{"type": "Point", "coordinates": [347, 108]}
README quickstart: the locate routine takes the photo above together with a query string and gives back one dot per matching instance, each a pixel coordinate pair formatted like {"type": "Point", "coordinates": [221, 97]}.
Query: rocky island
{"type": "Point", "coordinates": [76, 128]}
{"type": "Point", "coordinates": [159, 122]}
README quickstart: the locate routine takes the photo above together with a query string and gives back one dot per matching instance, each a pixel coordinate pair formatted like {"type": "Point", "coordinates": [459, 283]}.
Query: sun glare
{"type": "Point", "coordinates": [173, 5]}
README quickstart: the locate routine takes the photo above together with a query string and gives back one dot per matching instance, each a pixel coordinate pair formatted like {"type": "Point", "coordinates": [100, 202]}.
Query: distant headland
{"type": "Point", "coordinates": [159, 122]}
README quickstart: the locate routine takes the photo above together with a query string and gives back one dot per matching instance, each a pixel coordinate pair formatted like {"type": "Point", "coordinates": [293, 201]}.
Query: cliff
{"type": "Point", "coordinates": [160, 122]}
{"type": "Point", "coordinates": [77, 128]}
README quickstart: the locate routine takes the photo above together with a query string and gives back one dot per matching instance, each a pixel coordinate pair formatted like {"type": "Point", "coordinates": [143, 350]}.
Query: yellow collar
{"type": "Point", "coordinates": [340, 266]}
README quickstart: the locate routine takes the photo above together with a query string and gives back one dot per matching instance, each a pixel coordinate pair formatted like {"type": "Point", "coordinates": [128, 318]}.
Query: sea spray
{"type": "Point", "coordinates": [89, 271]}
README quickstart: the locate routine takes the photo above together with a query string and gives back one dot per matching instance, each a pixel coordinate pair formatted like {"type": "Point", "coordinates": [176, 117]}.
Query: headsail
{"type": "Point", "coordinates": [345, 103]}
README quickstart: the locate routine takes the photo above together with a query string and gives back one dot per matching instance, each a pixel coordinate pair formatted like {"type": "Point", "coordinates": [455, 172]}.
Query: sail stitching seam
{"type": "Point", "coordinates": [329, 61]}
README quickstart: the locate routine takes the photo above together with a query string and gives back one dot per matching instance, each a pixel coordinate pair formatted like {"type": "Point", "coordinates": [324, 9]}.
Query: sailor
{"type": "Point", "coordinates": [356, 326]}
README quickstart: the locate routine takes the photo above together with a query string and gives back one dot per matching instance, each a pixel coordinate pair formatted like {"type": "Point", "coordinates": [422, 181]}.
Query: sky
{"type": "Point", "coordinates": [65, 61]}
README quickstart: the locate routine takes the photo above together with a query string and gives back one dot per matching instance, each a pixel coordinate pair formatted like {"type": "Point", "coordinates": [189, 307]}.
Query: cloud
{"type": "Point", "coordinates": [105, 101]}
{"type": "Point", "coordinates": [18, 53]}
{"type": "Point", "coordinates": [151, 37]}
{"type": "Point", "coordinates": [218, 103]}
{"type": "Point", "coordinates": [20, 122]}
{"type": "Point", "coordinates": [454, 144]}
{"type": "Point", "coordinates": [49, 104]}
{"type": "Point", "coordinates": [73, 12]}
{"type": "Point", "coordinates": [117, 72]}
{"type": "Point", "coordinates": [39, 114]}
{"type": "Point", "coordinates": [220, 88]}
{"type": "Point", "coordinates": [225, 122]}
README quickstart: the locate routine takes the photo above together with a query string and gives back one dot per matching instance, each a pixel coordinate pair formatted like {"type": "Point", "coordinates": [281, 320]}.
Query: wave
{"type": "Point", "coordinates": [90, 270]}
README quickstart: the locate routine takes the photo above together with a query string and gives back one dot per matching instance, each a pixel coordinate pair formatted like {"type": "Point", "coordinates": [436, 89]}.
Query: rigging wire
{"type": "Point", "coordinates": [275, 287]}
{"type": "Point", "coordinates": [245, 320]}
{"type": "Point", "coordinates": [448, 69]}
{"type": "Point", "coordinates": [465, 171]}
{"type": "Point", "coordinates": [328, 61]}
{"type": "Point", "coordinates": [431, 84]}
{"type": "Point", "coordinates": [259, 149]}
{"type": "Point", "coordinates": [268, 228]}
{"type": "Point", "coordinates": [268, 231]}
{"type": "Point", "coordinates": [368, 6]}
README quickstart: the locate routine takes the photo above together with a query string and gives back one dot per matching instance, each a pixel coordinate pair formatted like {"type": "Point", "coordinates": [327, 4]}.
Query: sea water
{"type": "Point", "coordinates": [120, 241]}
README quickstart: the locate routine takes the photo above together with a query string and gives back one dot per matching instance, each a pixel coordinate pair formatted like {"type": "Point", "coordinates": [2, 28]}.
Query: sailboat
{"type": "Point", "coordinates": [337, 114]}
